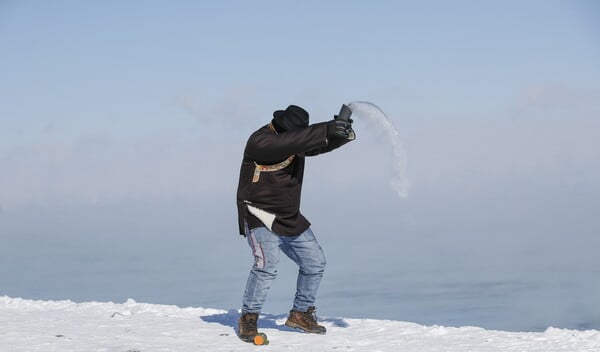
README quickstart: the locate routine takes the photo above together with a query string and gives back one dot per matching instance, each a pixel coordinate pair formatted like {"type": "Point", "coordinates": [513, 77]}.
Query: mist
{"type": "Point", "coordinates": [500, 211]}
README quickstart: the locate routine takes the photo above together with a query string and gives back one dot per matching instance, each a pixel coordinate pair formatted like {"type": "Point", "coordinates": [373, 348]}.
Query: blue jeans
{"type": "Point", "coordinates": [266, 247]}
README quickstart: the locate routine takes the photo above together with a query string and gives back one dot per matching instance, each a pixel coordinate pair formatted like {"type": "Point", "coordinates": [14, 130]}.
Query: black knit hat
{"type": "Point", "coordinates": [292, 118]}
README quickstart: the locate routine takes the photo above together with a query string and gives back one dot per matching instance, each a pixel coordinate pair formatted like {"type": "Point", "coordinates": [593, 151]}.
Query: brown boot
{"type": "Point", "coordinates": [306, 321]}
{"type": "Point", "coordinates": [247, 326]}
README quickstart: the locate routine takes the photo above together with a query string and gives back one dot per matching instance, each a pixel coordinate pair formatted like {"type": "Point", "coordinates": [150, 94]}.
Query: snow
{"type": "Point", "coordinates": [28, 325]}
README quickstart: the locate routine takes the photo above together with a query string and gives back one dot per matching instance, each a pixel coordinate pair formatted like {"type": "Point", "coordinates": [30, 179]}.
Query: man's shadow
{"type": "Point", "coordinates": [265, 321]}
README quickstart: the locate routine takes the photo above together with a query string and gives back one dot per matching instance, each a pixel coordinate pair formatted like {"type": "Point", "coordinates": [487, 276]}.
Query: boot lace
{"type": "Point", "coordinates": [310, 316]}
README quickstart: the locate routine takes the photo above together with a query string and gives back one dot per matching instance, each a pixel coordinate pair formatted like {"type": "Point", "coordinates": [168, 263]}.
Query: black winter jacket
{"type": "Point", "coordinates": [276, 193]}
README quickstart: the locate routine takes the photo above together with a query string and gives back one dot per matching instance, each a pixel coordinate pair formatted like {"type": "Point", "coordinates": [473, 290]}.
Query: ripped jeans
{"type": "Point", "coordinates": [266, 247]}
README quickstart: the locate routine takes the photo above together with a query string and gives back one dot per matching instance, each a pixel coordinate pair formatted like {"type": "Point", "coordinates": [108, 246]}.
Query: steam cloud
{"type": "Point", "coordinates": [372, 114]}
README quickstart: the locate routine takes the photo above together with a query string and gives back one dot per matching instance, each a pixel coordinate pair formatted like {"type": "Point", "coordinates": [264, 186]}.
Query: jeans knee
{"type": "Point", "coordinates": [322, 263]}
{"type": "Point", "coordinates": [265, 273]}
{"type": "Point", "coordinates": [314, 267]}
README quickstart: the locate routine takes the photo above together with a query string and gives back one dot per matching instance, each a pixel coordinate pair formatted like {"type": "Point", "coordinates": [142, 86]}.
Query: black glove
{"type": "Point", "coordinates": [339, 128]}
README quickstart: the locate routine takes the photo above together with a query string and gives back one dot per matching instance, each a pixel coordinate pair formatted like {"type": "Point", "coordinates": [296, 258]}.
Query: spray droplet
{"type": "Point", "coordinates": [372, 114]}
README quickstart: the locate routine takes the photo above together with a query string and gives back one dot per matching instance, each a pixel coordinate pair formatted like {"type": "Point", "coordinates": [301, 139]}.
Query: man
{"type": "Point", "coordinates": [268, 201]}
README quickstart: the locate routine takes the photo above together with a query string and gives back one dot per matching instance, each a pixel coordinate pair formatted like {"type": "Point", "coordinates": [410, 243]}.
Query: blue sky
{"type": "Point", "coordinates": [153, 87]}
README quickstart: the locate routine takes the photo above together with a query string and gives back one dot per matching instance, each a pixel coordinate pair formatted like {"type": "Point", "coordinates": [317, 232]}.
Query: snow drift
{"type": "Point", "coordinates": [27, 325]}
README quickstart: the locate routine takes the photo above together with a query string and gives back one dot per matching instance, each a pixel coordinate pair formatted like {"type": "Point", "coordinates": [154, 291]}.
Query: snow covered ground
{"type": "Point", "coordinates": [27, 325]}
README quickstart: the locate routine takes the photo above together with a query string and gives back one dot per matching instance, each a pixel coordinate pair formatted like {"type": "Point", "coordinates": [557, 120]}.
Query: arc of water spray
{"type": "Point", "coordinates": [373, 114]}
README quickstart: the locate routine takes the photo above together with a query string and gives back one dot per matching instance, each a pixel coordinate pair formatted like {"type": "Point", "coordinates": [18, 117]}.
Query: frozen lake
{"type": "Point", "coordinates": [189, 254]}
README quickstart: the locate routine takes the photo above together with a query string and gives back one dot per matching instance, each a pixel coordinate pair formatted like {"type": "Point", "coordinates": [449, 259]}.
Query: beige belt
{"type": "Point", "coordinates": [268, 168]}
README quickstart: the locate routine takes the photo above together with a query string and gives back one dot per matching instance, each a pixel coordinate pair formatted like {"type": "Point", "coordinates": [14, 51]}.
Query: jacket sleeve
{"type": "Point", "coordinates": [270, 147]}
{"type": "Point", "coordinates": [333, 143]}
